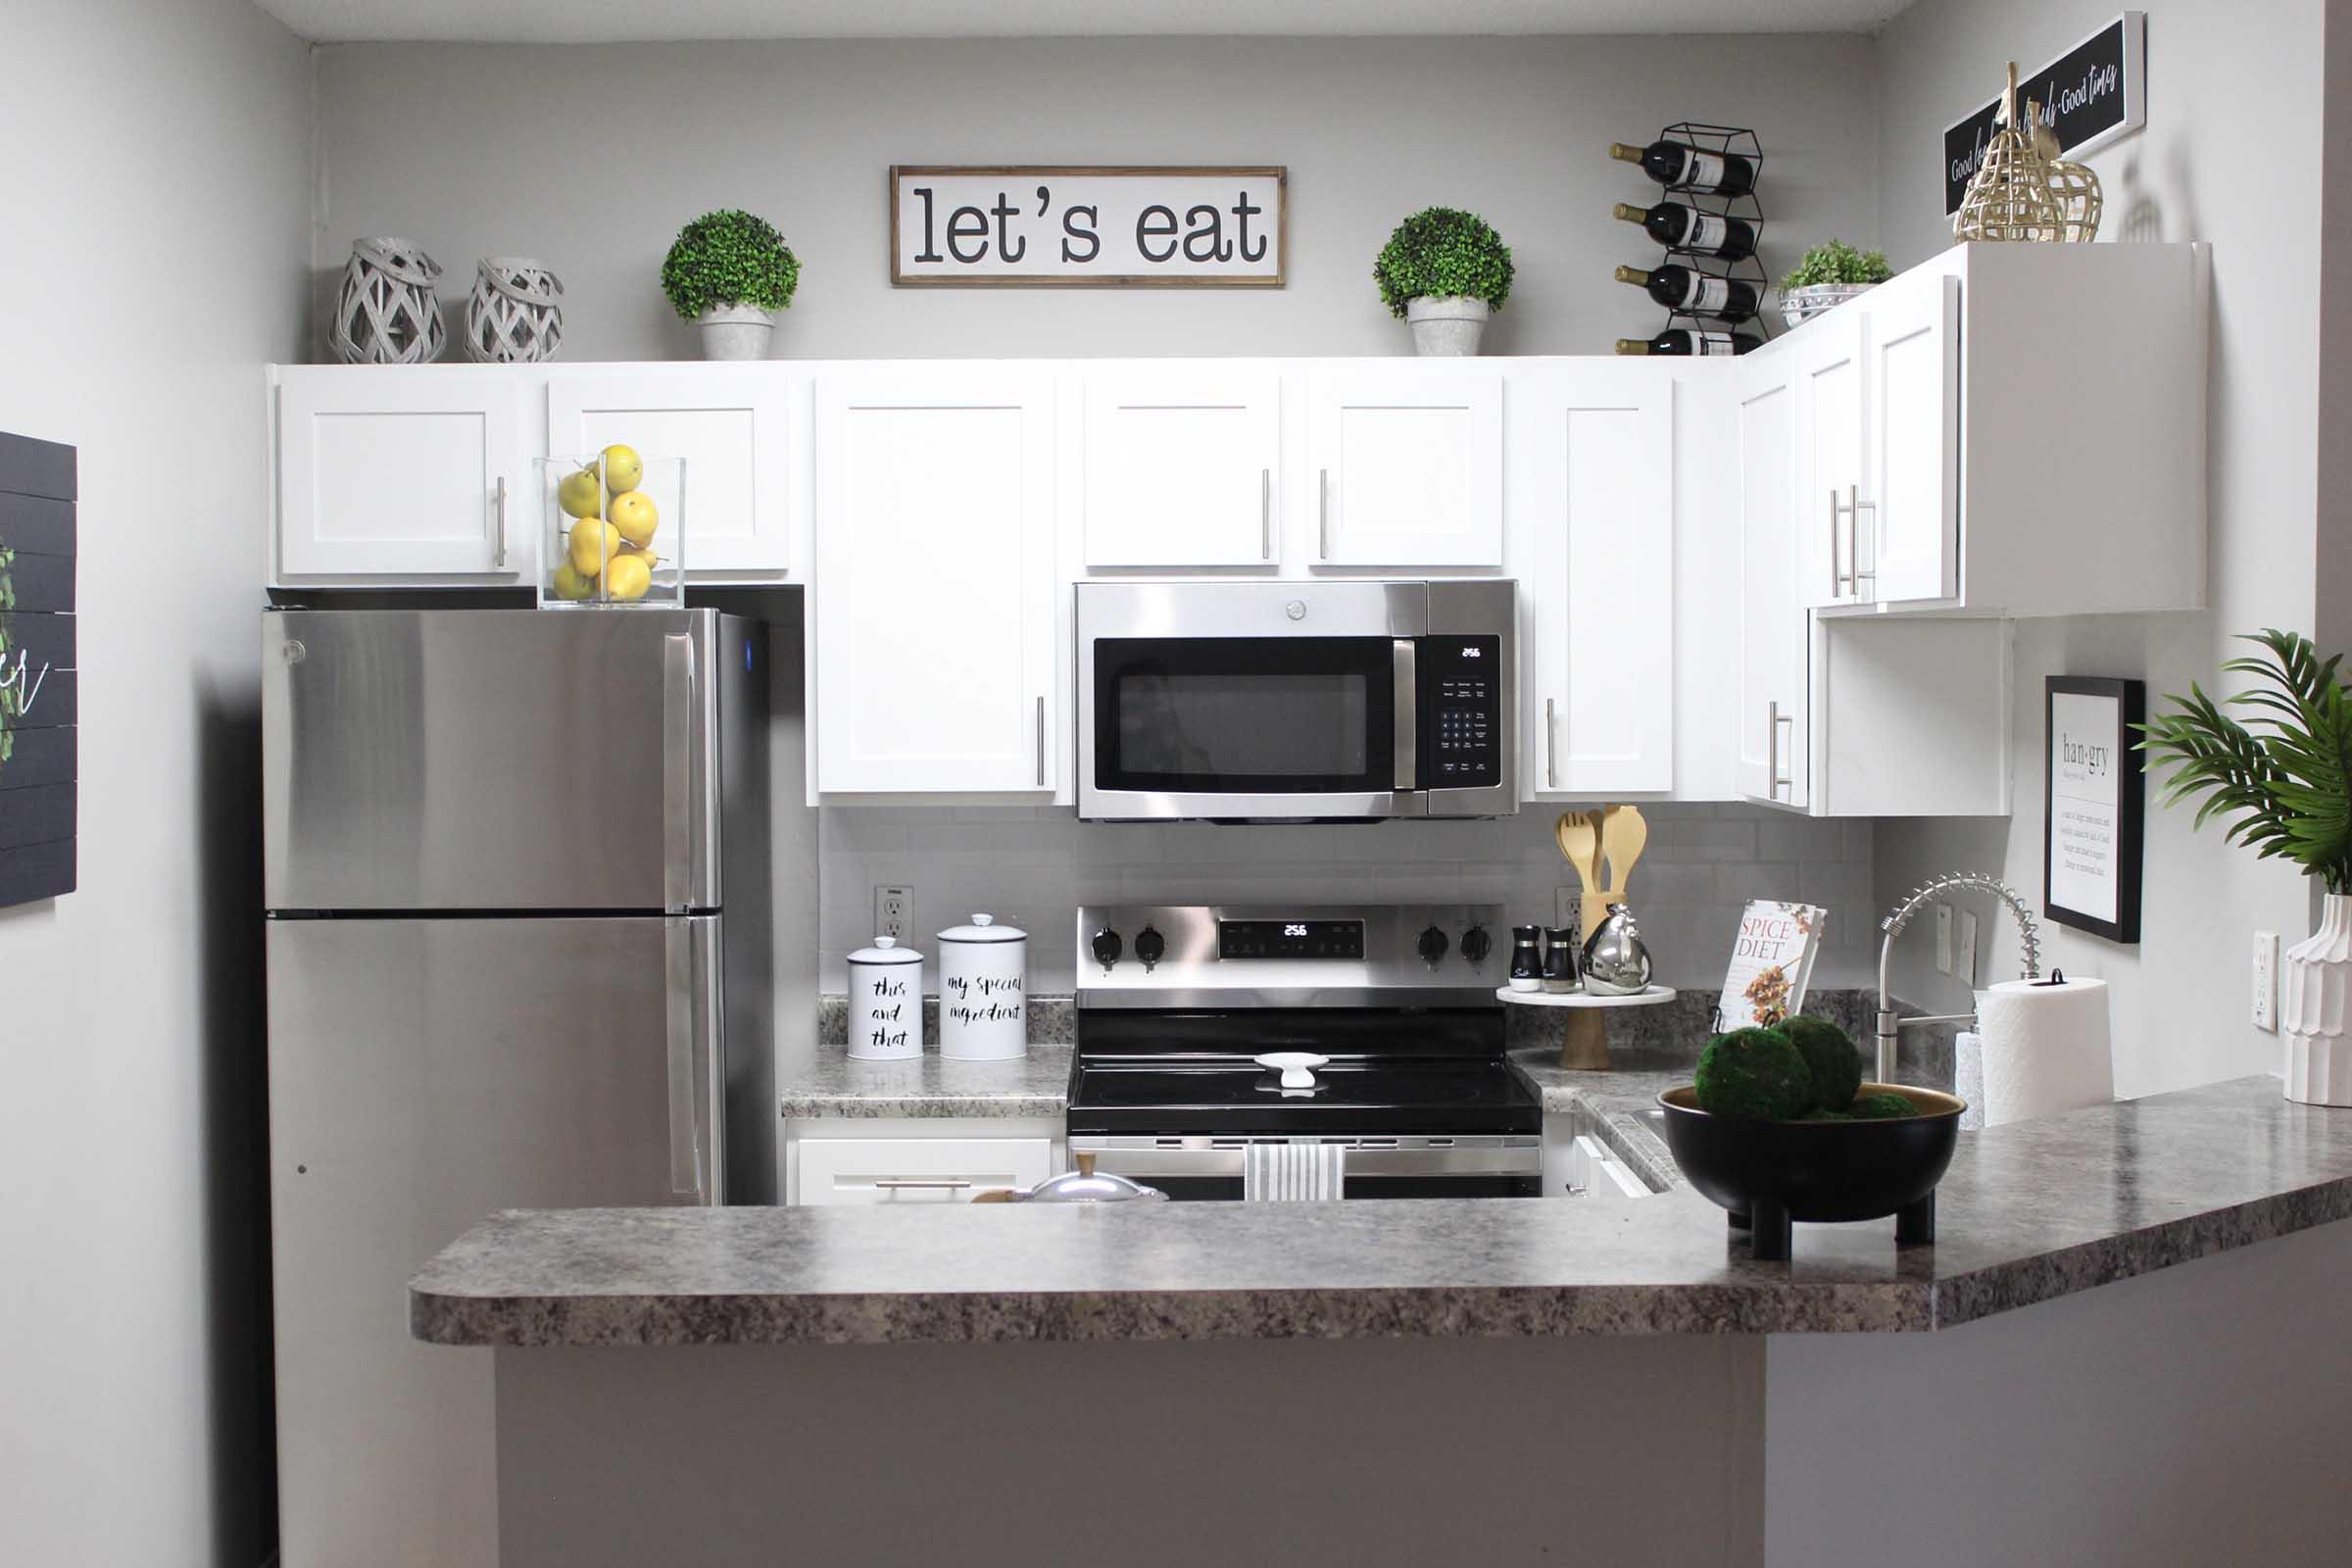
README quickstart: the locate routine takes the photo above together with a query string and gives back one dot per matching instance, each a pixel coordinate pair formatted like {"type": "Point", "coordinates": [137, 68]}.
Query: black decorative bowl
{"type": "Point", "coordinates": [1769, 1173]}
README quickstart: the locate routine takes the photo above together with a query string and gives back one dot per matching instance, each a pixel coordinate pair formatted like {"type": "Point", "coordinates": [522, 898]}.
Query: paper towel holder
{"type": "Point", "coordinates": [1890, 1026]}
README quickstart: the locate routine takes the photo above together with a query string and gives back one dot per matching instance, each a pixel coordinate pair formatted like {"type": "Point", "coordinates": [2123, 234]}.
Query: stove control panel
{"type": "Point", "coordinates": [1132, 950]}
{"type": "Point", "coordinates": [1290, 938]}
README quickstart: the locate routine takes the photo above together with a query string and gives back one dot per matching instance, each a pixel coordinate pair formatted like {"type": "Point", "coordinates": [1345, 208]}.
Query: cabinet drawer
{"type": "Point", "coordinates": [918, 1170]}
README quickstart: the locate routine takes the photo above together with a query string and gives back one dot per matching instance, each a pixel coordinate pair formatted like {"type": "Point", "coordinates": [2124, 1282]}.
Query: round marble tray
{"type": "Point", "coordinates": [1577, 999]}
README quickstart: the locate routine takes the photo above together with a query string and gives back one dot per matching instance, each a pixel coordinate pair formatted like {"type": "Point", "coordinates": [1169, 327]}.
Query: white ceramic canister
{"type": "Point", "coordinates": [886, 1003]}
{"type": "Point", "coordinates": [983, 991]}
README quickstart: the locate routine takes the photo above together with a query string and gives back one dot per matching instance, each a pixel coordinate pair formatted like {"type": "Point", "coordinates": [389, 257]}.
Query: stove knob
{"type": "Point", "coordinates": [1431, 946]}
{"type": "Point", "coordinates": [1150, 945]}
{"type": "Point", "coordinates": [1476, 945]}
{"type": "Point", "coordinates": [1107, 948]}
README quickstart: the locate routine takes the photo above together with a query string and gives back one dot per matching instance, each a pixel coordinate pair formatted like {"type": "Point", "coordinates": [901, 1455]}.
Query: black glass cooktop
{"type": "Point", "coordinates": [1193, 1092]}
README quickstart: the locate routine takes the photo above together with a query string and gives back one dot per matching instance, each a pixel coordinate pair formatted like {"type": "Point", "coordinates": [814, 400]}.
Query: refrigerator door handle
{"type": "Point", "coordinates": [685, 1135]}
{"type": "Point", "coordinates": [678, 710]}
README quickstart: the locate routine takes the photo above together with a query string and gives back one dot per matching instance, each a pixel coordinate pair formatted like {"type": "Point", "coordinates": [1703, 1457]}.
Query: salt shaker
{"type": "Point", "coordinates": [1526, 959]}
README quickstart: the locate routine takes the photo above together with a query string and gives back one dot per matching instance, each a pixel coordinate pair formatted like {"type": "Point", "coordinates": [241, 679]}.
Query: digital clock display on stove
{"type": "Point", "coordinates": [1290, 938]}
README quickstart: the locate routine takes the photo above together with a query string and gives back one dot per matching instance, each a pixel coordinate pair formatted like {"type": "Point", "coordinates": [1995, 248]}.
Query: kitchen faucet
{"type": "Point", "coordinates": [1890, 1026]}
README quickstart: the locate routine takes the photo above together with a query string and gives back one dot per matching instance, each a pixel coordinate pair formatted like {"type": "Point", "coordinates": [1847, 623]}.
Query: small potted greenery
{"type": "Point", "coordinates": [732, 272]}
{"type": "Point", "coordinates": [1829, 275]}
{"type": "Point", "coordinates": [2289, 788]}
{"type": "Point", "coordinates": [1446, 271]}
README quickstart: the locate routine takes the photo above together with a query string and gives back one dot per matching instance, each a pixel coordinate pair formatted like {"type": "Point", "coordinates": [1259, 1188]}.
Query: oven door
{"type": "Point", "coordinates": [1247, 700]}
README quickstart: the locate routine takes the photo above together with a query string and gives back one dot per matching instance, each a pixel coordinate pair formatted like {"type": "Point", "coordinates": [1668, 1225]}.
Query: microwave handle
{"type": "Point", "coordinates": [1408, 715]}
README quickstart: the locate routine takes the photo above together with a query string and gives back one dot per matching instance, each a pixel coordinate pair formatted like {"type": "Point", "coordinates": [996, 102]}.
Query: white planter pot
{"type": "Point", "coordinates": [1801, 304]}
{"type": "Point", "coordinates": [736, 331]}
{"type": "Point", "coordinates": [1448, 326]}
{"type": "Point", "coordinates": [983, 991]}
{"type": "Point", "coordinates": [2314, 985]}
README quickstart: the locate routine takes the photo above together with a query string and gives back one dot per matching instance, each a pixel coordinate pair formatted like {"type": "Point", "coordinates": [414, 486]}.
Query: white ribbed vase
{"type": "Point", "coordinates": [2315, 994]}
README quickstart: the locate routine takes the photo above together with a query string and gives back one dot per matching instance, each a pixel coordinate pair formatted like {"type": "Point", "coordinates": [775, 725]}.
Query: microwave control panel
{"type": "Point", "coordinates": [1461, 712]}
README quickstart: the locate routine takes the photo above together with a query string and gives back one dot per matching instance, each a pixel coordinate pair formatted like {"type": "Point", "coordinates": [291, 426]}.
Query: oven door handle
{"type": "Point", "coordinates": [1408, 712]}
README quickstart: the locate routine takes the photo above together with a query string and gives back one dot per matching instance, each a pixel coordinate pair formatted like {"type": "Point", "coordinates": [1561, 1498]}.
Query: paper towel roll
{"type": "Point", "coordinates": [1968, 1077]}
{"type": "Point", "coordinates": [2044, 1047]}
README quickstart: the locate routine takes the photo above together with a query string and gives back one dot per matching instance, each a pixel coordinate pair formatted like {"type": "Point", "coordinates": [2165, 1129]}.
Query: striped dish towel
{"type": "Point", "coordinates": [1293, 1172]}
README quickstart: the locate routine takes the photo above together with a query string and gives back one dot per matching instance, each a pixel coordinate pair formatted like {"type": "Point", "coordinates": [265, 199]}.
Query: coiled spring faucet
{"type": "Point", "coordinates": [1890, 1026]}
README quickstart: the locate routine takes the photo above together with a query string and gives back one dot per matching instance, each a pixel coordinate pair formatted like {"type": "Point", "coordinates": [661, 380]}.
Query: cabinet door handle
{"type": "Point", "coordinates": [1322, 513]}
{"type": "Point", "coordinates": [891, 1184]}
{"type": "Point", "coordinates": [1552, 745]}
{"type": "Point", "coordinates": [1836, 581]}
{"type": "Point", "coordinates": [1854, 507]}
{"type": "Point", "coordinates": [1265, 513]}
{"type": "Point", "coordinates": [1776, 781]}
{"type": "Point", "coordinates": [498, 531]}
{"type": "Point", "coordinates": [1041, 743]}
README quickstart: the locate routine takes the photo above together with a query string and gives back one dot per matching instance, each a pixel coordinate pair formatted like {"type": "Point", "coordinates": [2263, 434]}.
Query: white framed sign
{"type": "Point", "coordinates": [2093, 823]}
{"type": "Point", "coordinates": [1054, 226]}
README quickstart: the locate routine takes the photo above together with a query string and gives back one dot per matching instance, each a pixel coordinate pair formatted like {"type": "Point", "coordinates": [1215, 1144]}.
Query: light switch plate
{"type": "Point", "coordinates": [893, 911]}
{"type": "Point", "coordinates": [1943, 939]}
{"type": "Point", "coordinates": [2266, 980]}
{"type": "Point", "coordinates": [1964, 958]}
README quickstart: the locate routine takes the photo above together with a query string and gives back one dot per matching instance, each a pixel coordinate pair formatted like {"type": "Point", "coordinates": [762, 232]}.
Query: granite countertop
{"type": "Point", "coordinates": [1621, 1103]}
{"type": "Point", "coordinates": [2029, 1211]}
{"type": "Point", "coordinates": [930, 1085]}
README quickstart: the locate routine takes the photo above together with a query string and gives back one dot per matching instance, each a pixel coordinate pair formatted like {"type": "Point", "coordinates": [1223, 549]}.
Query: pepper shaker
{"type": "Point", "coordinates": [1560, 949]}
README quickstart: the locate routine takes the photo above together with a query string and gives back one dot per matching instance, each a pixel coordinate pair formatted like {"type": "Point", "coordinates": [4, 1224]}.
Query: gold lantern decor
{"type": "Point", "coordinates": [2010, 199]}
{"type": "Point", "coordinates": [2073, 186]}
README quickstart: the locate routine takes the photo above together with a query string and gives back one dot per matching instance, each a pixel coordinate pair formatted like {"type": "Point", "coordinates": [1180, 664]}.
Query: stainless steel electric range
{"type": "Point", "coordinates": [1205, 1029]}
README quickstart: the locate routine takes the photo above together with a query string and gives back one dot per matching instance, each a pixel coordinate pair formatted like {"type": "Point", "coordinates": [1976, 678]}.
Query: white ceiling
{"type": "Point", "coordinates": [638, 21]}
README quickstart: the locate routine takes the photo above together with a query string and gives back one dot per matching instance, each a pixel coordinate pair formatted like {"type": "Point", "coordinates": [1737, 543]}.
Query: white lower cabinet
{"type": "Point", "coordinates": [918, 1170]}
{"type": "Point", "coordinates": [936, 588]}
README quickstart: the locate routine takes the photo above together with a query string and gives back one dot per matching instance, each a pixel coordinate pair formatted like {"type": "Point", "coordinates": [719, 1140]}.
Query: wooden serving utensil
{"type": "Point", "coordinates": [1577, 834]}
{"type": "Point", "coordinates": [1623, 836]}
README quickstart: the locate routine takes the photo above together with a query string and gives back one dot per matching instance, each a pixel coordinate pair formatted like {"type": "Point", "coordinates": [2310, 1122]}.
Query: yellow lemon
{"type": "Point", "coordinates": [623, 468]}
{"type": "Point", "coordinates": [627, 578]}
{"type": "Point", "coordinates": [579, 494]}
{"type": "Point", "coordinates": [571, 583]}
{"type": "Point", "coordinates": [593, 542]}
{"type": "Point", "coordinates": [634, 516]}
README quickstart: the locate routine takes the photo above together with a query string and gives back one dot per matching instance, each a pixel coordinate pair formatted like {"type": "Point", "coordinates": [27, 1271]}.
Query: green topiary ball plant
{"type": "Point", "coordinates": [1442, 252]}
{"type": "Point", "coordinates": [729, 258]}
{"type": "Point", "coordinates": [1831, 1059]}
{"type": "Point", "coordinates": [1756, 1073]}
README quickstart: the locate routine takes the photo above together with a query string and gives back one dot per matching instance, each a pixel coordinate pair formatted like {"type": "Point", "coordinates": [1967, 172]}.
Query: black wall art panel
{"type": "Point", "coordinates": [39, 753]}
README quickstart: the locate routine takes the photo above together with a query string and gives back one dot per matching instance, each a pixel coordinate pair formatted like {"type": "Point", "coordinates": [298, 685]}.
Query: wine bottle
{"type": "Point", "coordinates": [1682, 340]}
{"type": "Point", "coordinates": [1678, 165]}
{"type": "Point", "coordinates": [1687, 228]}
{"type": "Point", "coordinates": [1678, 288]}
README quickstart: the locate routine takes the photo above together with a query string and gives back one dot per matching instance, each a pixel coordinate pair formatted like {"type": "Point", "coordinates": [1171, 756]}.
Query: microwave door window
{"type": "Point", "coordinates": [1238, 716]}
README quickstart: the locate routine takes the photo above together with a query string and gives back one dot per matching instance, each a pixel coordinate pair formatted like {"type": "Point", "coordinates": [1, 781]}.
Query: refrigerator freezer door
{"type": "Point", "coordinates": [423, 1073]}
{"type": "Point", "coordinates": [490, 760]}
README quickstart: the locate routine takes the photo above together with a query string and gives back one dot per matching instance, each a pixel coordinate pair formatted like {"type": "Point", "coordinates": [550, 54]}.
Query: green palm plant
{"type": "Point", "coordinates": [2290, 787]}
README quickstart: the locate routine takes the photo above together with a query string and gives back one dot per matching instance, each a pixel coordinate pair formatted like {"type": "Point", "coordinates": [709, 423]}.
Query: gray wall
{"type": "Point", "coordinates": [2180, 1013]}
{"type": "Point", "coordinates": [590, 157]}
{"type": "Point", "coordinates": [159, 157]}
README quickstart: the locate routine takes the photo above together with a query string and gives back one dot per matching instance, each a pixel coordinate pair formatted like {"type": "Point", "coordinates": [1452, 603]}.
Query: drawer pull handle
{"type": "Point", "coordinates": [893, 1183]}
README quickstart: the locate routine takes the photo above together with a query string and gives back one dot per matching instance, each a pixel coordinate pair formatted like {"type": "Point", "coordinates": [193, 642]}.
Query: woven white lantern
{"type": "Point", "coordinates": [512, 317]}
{"type": "Point", "coordinates": [386, 312]}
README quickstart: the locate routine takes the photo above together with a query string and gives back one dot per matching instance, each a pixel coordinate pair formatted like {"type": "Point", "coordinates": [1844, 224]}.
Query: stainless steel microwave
{"type": "Point", "coordinates": [1297, 700]}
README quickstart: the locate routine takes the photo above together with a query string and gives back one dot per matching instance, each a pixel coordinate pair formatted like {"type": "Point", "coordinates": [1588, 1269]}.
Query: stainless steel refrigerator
{"type": "Point", "coordinates": [526, 886]}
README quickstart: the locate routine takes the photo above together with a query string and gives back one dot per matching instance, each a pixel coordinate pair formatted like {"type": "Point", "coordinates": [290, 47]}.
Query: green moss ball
{"type": "Point", "coordinates": [1829, 1116]}
{"type": "Point", "coordinates": [1885, 1105]}
{"type": "Point", "coordinates": [1831, 1058]}
{"type": "Point", "coordinates": [1756, 1073]}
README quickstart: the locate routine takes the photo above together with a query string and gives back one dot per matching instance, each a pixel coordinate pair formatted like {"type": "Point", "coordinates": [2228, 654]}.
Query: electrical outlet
{"type": "Point", "coordinates": [1943, 939]}
{"type": "Point", "coordinates": [1567, 908]}
{"type": "Point", "coordinates": [2266, 980]}
{"type": "Point", "coordinates": [893, 911]}
{"type": "Point", "coordinates": [1964, 959]}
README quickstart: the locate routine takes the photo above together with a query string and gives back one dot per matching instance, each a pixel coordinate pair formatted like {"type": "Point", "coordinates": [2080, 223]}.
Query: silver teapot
{"type": "Point", "coordinates": [1616, 964]}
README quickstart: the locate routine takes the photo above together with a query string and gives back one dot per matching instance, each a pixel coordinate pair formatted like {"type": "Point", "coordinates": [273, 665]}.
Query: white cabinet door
{"type": "Point", "coordinates": [400, 473]}
{"type": "Point", "coordinates": [918, 1170]}
{"type": "Point", "coordinates": [1592, 468]}
{"type": "Point", "coordinates": [1182, 465]}
{"type": "Point", "coordinates": [935, 580]}
{"type": "Point", "coordinates": [1831, 509]}
{"type": "Point", "coordinates": [1407, 465]}
{"type": "Point", "coordinates": [730, 424]}
{"type": "Point", "coordinates": [1913, 386]}
{"type": "Point", "coordinates": [1772, 733]}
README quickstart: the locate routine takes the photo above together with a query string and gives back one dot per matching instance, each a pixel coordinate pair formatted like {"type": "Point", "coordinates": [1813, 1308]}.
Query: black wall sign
{"type": "Point", "coordinates": [2092, 94]}
{"type": "Point", "coordinates": [2094, 818]}
{"type": "Point", "coordinates": [38, 758]}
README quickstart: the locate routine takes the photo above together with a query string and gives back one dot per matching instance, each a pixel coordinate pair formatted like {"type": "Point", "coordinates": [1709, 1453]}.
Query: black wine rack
{"type": "Point", "coordinates": [1750, 269]}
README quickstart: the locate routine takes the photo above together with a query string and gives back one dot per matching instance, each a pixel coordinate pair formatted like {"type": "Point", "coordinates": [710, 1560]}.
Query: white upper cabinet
{"type": "Point", "coordinates": [1183, 465]}
{"type": "Point", "coordinates": [1770, 725]}
{"type": "Point", "coordinates": [1825, 373]}
{"type": "Point", "coordinates": [733, 427]}
{"type": "Point", "coordinates": [1406, 461]}
{"type": "Point", "coordinates": [1914, 401]}
{"type": "Point", "coordinates": [1590, 476]}
{"type": "Point", "coordinates": [402, 472]}
{"type": "Point", "coordinates": [935, 597]}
